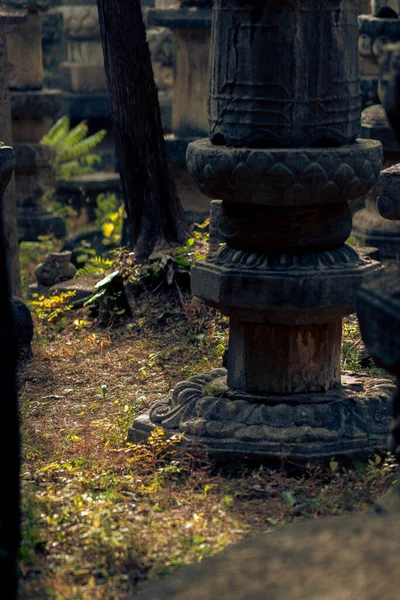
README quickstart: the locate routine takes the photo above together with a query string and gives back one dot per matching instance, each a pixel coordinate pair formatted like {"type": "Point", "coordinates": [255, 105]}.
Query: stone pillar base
{"type": "Point", "coordinates": [35, 222]}
{"type": "Point", "coordinates": [370, 229]}
{"type": "Point", "coordinates": [351, 420]}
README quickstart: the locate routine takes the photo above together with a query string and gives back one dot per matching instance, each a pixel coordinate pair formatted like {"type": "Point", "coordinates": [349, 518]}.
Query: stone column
{"type": "Point", "coordinates": [368, 226]}
{"type": "Point", "coordinates": [8, 201]}
{"type": "Point", "coordinates": [33, 110]}
{"type": "Point", "coordinates": [284, 157]}
{"type": "Point", "coordinates": [190, 23]}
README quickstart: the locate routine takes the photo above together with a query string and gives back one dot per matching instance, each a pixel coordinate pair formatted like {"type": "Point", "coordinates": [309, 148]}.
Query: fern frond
{"type": "Point", "coordinates": [58, 132]}
{"type": "Point", "coordinates": [67, 169]}
{"type": "Point", "coordinates": [82, 147]}
{"type": "Point", "coordinates": [95, 266]}
{"type": "Point", "coordinates": [76, 135]}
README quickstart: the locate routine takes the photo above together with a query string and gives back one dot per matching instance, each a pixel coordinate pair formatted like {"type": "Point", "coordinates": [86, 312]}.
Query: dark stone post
{"type": "Point", "coordinates": [380, 27]}
{"type": "Point", "coordinates": [284, 157]}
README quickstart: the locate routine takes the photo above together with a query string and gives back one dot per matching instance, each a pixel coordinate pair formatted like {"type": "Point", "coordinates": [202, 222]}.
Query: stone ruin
{"type": "Point", "coordinates": [190, 24]}
{"type": "Point", "coordinates": [178, 35]}
{"type": "Point", "coordinates": [351, 556]}
{"type": "Point", "coordinates": [33, 110]}
{"type": "Point", "coordinates": [380, 27]}
{"type": "Point", "coordinates": [284, 157]}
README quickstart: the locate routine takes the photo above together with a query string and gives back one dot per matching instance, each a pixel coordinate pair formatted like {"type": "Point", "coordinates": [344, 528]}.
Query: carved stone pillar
{"type": "Point", "coordinates": [190, 24]}
{"type": "Point", "coordinates": [368, 226]}
{"type": "Point", "coordinates": [378, 301]}
{"type": "Point", "coordinates": [8, 201]}
{"type": "Point", "coordinates": [33, 110]}
{"type": "Point", "coordinates": [285, 276]}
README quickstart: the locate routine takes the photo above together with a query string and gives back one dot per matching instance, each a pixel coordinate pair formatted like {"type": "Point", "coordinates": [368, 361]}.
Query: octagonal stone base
{"type": "Point", "coordinates": [352, 420]}
{"type": "Point", "coordinates": [370, 229]}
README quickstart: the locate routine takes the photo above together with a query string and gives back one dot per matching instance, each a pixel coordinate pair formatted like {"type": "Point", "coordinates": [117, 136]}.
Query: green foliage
{"type": "Point", "coordinates": [52, 308]}
{"type": "Point", "coordinates": [73, 148]}
{"type": "Point", "coordinates": [96, 265]}
{"type": "Point", "coordinates": [110, 214]}
{"type": "Point", "coordinates": [352, 345]}
{"type": "Point", "coordinates": [109, 299]}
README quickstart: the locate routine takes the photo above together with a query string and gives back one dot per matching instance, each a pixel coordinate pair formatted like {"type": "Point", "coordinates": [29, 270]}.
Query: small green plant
{"type": "Point", "coordinates": [352, 345]}
{"type": "Point", "coordinates": [73, 148]}
{"type": "Point", "coordinates": [110, 214]}
{"type": "Point", "coordinates": [96, 265]}
{"type": "Point", "coordinates": [103, 391]}
{"type": "Point", "coordinates": [52, 308]}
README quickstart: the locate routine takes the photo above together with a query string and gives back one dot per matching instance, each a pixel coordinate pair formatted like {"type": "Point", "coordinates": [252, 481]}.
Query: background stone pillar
{"type": "Point", "coordinates": [284, 157]}
{"type": "Point", "coordinates": [34, 110]}
{"type": "Point", "coordinates": [190, 24]}
{"type": "Point", "coordinates": [368, 226]}
{"type": "Point", "coordinates": [8, 201]}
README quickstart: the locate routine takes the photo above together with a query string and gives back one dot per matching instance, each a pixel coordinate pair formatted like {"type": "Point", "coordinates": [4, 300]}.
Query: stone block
{"type": "Point", "coordinates": [24, 47]}
{"type": "Point", "coordinates": [283, 288]}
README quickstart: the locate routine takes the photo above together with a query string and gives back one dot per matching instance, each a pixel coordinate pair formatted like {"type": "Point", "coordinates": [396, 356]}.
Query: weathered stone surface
{"type": "Point", "coordinates": [301, 360]}
{"type": "Point", "coordinates": [285, 177]}
{"type": "Point", "coordinates": [81, 192]}
{"type": "Point", "coordinates": [33, 222]}
{"type": "Point", "coordinates": [35, 104]}
{"type": "Point", "coordinates": [25, 54]}
{"type": "Point", "coordinates": [377, 6]}
{"type": "Point", "coordinates": [84, 287]}
{"type": "Point", "coordinates": [55, 268]}
{"type": "Point", "coordinates": [280, 106]}
{"type": "Point", "coordinates": [7, 157]}
{"type": "Point", "coordinates": [378, 309]}
{"type": "Point", "coordinates": [388, 193]}
{"type": "Point", "coordinates": [189, 99]}
{"type": "Point", "coordinates": [22, 320]}
{"type": "Point", "coordinates": [180, 18]}
{"type": "Point", "coordinates": [375, 32]}
{"type": "Point", "coordinates": [337, 558]}
{"type": "Point", "coordinates": [33, 173]}
{"type": "Point", "coordinates": [350, 420]}
{"type": "Point", "coordinates": [370, 229]}
{"type": "Point", "coordinates": [8, 207]}
{"type": "Point", "coordinates": [375, 126]}
{"type": "Point", "coordinates": [81, 21]}
{"type": "Point", "coordinates": [304, 228]}
{"type": "Point", "coordinates": [282, 287]}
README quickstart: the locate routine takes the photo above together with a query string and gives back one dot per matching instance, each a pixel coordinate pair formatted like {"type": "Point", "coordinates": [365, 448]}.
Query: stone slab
{"type": "Point", "coordinates": [95, 182]}
{"type": "Point", "coordinates": [36, 104]}
{"type": "Point", "coordinates": [339, 558]}
{"type": "Point", "coordinates": [83, 286]}
{"type": "Point", "coordinates": [180, 18]}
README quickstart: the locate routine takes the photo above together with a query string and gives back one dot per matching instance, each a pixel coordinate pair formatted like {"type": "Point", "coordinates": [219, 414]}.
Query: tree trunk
{"type": "Point", "coordinates": [154, 211]}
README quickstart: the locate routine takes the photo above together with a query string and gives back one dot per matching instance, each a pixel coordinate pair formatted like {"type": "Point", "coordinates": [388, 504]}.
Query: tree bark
{"type": "Point", "coordinates": [153, 208]}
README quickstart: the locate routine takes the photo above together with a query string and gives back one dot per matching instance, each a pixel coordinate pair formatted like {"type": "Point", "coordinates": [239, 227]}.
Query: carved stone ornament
{"type": "Point", "coordinates": [304, 427]}
{"type": "Point", "coordinates": [285, 177]}
{"type": "Point", "coordinates": [81, 21]}
{"type": "Point", "coordinates": [298, 288]}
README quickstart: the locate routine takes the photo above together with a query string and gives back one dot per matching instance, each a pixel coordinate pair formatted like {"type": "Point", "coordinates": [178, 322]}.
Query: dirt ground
{"type": "Point", "coordinates": [100, 515]}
